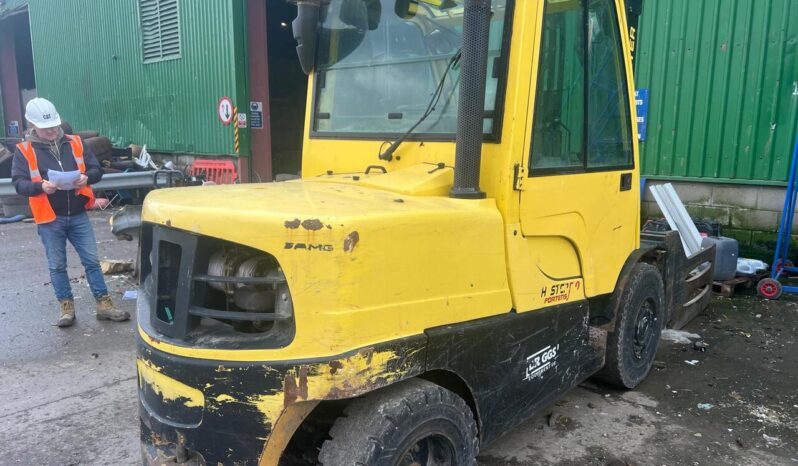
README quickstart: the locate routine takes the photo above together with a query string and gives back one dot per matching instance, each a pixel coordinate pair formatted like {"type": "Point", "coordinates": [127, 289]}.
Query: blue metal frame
{"type": "Point", "coordinates": [785, 227]}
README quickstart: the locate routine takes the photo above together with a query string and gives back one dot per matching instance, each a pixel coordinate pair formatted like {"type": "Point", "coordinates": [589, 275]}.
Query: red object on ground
{"type": "Point", "coordinates": [769, 288]}
{"type": "Point", "coordinates": [218, 171]}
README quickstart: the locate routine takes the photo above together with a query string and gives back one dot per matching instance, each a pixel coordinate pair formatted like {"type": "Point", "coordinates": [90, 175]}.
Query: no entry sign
{"type": "Point", "coordinates": [225, 110]}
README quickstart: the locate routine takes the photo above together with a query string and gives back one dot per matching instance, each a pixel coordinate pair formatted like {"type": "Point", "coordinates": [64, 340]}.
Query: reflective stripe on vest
{"type": "Point", "coordinates": [40, 204]}
{"type": "Point", "coordinates": [77, 153]}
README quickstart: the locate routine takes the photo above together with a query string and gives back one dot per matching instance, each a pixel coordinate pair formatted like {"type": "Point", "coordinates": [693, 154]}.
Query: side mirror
{"type": "Point", "coordinates": [306, 31]}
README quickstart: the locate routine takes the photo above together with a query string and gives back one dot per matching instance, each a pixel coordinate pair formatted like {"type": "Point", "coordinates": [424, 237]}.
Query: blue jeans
{"type": "Point", "coordinates": [78, 230]}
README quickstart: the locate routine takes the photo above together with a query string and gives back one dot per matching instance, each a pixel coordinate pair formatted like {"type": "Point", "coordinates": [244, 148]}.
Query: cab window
{"type": "Point", "coordinates": [582, 120]}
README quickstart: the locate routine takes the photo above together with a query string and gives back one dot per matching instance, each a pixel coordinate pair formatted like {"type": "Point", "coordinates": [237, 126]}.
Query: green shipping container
{"type": "Point", "coordinates": [723, 82]}
{"type": "Point", "coordinates": [144, 71]}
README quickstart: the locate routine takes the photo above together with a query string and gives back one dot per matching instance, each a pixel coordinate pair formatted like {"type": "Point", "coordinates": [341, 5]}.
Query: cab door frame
{"type": "Point", "coordinates": [581, 222]}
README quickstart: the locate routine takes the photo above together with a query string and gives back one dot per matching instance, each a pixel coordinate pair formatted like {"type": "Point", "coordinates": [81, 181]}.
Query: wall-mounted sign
{"type": "Point", "coordinates": [13, 128]}
{"type": "Point", "coordinates": [242, 120]}
{"type": "Point", "coordinates": [641, 102]}
{"type": "Point", "coordinates": [225, 110]}
{"type": "Point", "coordinates": [256, 115]}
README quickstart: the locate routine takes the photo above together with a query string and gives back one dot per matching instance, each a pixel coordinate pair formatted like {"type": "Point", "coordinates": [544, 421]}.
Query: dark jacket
{"type": "Point", "coordinates": [48, 156]}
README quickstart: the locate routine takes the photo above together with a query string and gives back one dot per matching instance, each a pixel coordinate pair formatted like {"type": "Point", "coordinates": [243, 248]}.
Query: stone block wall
{"type": "Point", "coordinates": [750, 214]}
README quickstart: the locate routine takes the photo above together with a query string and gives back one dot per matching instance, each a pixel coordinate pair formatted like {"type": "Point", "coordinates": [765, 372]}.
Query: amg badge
{"type": "Point", "coordinates": [310, 247]}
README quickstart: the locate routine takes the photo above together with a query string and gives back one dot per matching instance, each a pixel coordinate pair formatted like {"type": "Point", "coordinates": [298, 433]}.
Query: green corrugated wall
{"type": "Point", "coordinates": [723, 82]}
{"type": "Point", "coordinates": [88, 60]}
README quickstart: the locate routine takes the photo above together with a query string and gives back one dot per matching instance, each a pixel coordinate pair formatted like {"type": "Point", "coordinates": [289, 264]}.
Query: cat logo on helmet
{"type": "Point", "coordinates": [42, 113]}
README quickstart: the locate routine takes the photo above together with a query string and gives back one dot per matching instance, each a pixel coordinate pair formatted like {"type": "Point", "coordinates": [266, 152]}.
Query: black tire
{"type": "Point", "coordinates": [632, 347]}
{"type": "Point", "coordinates": [389, 426]}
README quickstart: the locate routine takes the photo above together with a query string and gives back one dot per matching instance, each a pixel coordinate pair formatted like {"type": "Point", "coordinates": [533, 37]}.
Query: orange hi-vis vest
{"type": "Point", "coordinates": [40, 204]}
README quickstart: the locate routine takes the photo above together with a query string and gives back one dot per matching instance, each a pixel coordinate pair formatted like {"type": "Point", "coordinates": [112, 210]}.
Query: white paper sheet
{"type": "Point", "coordinates": [63, 180]}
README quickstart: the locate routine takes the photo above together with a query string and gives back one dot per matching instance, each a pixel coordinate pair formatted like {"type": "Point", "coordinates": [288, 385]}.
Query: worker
{"type": "Point", "coordinates": [60, 214]}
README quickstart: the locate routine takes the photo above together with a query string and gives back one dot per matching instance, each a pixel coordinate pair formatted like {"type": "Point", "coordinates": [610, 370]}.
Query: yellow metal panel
{"type": "Point", "coordinates": [593, 215]}
{"type": "Point", "coordinates": [543, 271]}
{"type": "Point", "coordinates": [587, 209]}
{"type": "Point", "coordinates": [394, 269]}
{"type": "Point", "coordinates": [420, 180]}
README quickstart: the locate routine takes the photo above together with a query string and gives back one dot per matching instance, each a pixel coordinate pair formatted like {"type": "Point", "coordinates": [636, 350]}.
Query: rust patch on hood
{"type": "Point", "coordinates": [293, 224]}
{"type": "Point", "coordinates": [312, 224]}
{"type": "Point", "coordinates": [351, 241]}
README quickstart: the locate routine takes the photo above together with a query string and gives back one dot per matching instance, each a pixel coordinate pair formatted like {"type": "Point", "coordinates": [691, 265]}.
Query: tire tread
{"type": "Point", "coordinates": [355, 437]}
{"type": "Point", "coordinates": [614, 371]}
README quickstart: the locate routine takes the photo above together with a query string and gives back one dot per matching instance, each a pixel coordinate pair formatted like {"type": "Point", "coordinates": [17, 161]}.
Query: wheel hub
{"type": "Point", "coordinates": [644, 329]}
{"type": "Point", "coordinates": [433, 450]}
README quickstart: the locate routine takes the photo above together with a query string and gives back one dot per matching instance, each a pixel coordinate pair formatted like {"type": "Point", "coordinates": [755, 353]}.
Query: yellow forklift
{"type": "Point", "coordinates": [462, 249]}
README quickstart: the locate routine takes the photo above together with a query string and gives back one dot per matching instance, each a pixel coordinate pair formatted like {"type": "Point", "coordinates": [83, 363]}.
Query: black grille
{"type": "Point", "coordinates": [174, 252]}
{"type": "Point", "coordinates": [184, 306]}
{"type": "Point", "coordinates": [169, 255]}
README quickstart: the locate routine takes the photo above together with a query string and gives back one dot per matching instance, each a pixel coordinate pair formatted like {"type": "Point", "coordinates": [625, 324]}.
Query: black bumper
{"type": "Point", "coordinates": [222, 426]}
{"type": "Point", "coordinates": [219, 412]}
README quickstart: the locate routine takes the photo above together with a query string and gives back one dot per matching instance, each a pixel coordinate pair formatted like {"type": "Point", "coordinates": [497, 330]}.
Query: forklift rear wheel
{"type": "Point", "coordinates": [410, 423]}
{"type": "Point", "coordinates": [631, 348]}
{"type": "Point", "coordinates": [769, 288]}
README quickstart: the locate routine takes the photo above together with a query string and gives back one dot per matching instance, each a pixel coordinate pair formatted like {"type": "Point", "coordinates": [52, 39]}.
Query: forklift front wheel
{"type": "Point", "coordinates": [769, 288]}
{"type": "Point", "coordinates": [412, 422]}
{"type": "Point", "coordinates": [631, 348]}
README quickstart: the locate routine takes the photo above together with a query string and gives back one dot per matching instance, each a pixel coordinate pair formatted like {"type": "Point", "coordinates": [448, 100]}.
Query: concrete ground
{"type": "Point", "coordinates": [69, 395]}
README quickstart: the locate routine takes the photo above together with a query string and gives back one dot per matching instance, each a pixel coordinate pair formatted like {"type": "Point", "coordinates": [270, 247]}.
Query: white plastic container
{"type": "Point", "coordinates": [750, 267]}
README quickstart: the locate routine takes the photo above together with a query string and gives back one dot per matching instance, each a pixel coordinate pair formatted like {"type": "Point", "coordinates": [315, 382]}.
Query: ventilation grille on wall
{"type": "Point", "coordinates": [160, 30]}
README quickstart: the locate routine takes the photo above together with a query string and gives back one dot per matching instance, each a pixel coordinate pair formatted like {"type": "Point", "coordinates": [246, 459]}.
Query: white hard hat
{"type": "Point", "coordinates": [42, 113]}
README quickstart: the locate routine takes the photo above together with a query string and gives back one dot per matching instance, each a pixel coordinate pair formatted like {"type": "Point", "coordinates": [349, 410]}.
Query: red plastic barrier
{"type": "Point", "coordinates": [218, 171]}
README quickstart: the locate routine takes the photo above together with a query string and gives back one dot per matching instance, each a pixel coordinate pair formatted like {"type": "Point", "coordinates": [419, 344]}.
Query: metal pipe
{"type": "Point", "coordinates": [471, 111]}
{"type": "Point", "coordinates": [114, 181]}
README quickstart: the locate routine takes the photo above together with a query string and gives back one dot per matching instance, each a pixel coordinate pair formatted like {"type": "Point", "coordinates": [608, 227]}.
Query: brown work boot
{"type": "Point", "coordinates": [67, 313]}
{"type": "Point", "coordinates": [107, 311]}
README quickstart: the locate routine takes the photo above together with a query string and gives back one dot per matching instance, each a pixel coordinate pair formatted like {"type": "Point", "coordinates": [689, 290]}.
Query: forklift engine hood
{"type": "Point", "coordinates": [362, 257]}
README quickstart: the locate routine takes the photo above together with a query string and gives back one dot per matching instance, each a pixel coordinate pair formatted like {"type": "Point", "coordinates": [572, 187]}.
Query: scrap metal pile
{"type": "Point", "coordinates": [129, 174]}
